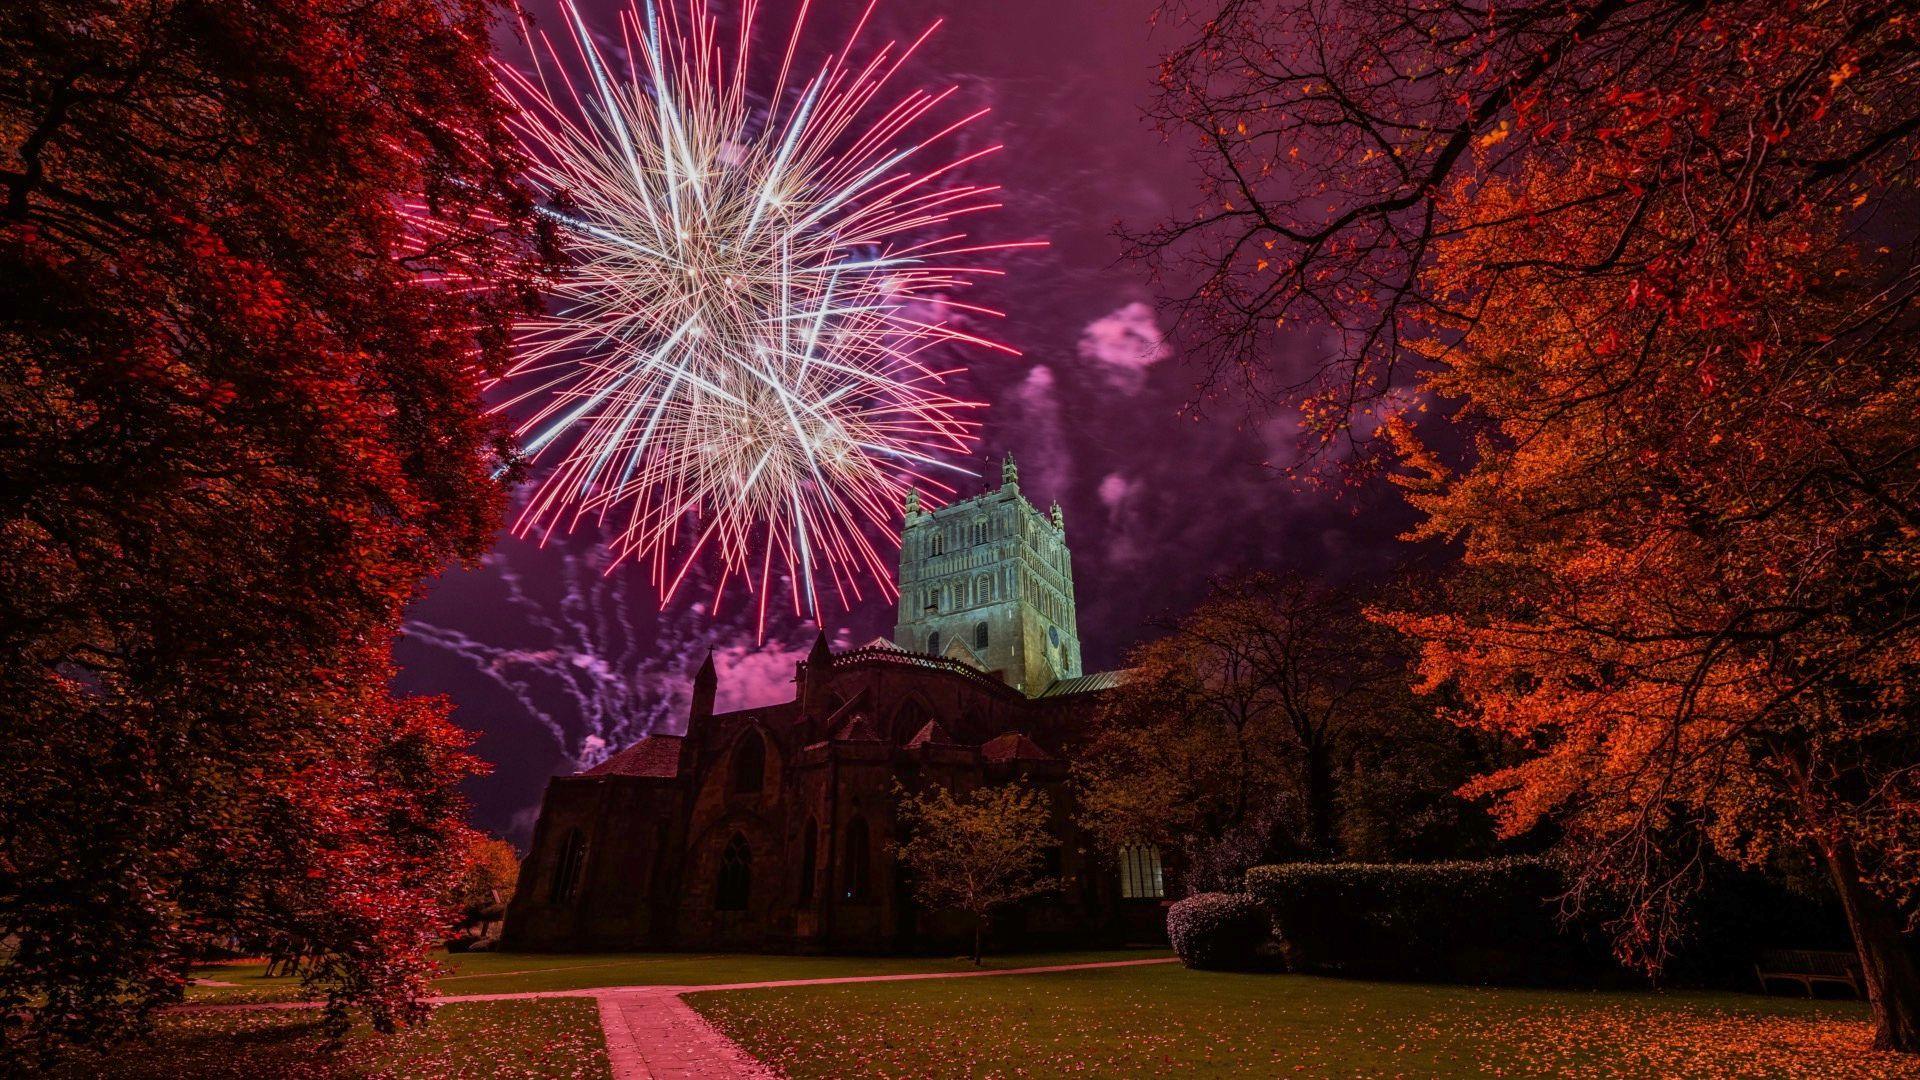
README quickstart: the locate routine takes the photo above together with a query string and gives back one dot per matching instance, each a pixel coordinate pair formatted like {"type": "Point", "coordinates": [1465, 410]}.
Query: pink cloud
{"type": "Point", "coordinates": [755, 675]}
{"type": "Point", "coordinates": [1125, 343]}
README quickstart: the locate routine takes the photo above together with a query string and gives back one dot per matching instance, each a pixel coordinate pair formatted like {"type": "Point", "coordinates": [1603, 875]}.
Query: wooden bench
{"type": "Point", "coordinates": [1808, 966]}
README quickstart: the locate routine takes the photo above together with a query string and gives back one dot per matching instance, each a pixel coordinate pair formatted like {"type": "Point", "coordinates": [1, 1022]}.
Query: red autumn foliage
{"type": "Point", "coordinates": [1656, 259]}
{"type": "Point", "coordinates": [239, 423]}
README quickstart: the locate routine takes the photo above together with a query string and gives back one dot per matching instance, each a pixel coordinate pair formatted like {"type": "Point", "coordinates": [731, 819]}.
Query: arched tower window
{"type": "Point", "coordinates": [933, 643]}
{"type": "Point", "coordinates": [980, 635]}
{"type": "Point", "coordinates": [854, 879]}
{"type": "Point", "coordinates": [736, 876]}
{"type": "Point", "coordinates": [809, 858]}
{"type": "Point", "coordinates": [749, 764]}
{"type": "Point", "coordinates": [566, 869]}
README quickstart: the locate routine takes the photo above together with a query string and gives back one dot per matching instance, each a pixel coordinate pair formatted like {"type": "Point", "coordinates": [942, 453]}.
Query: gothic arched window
{"type": "Point", "coordinates": [980, 635]}
{"type": "Point", "coordinates": [854, 880]}
{"type": "Point", "coordinates": [749, 764]}
{"type": "Point", "coordinates": [809, 857]}
{"type": "Point", "coordinates": [736, 876]}
{"type": "Point", "coordinates": [1140, 874]}
{"type": "Point", "coordinates": [909, 719]}
{"type": "Point", "coordinates": [933, 643]}
{"type": "Point", "coordinates": [566, 869]}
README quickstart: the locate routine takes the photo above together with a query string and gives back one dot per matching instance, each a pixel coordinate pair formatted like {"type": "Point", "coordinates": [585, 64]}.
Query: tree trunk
{"type": "Point", "coordinates": [1886, 956]}
{"type": "Point", "coordinates": [1320, 799]}
{"type": "Point", "coordinates": [979, 934]}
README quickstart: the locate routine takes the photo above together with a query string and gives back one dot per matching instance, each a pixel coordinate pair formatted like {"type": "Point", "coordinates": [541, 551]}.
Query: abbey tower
{"type": "Point", "coordinates": [989, 581]}
{"type": "Point", "coordinates": [775, 827]}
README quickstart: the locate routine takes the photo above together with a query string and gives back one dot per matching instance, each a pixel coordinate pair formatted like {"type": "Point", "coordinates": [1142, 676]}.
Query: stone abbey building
{"type": "Point", "coordinates": [773, 827]}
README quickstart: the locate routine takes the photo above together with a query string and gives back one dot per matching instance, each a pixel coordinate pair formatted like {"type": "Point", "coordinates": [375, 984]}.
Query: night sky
{"type": "Point", "coordinates": [556, 663]}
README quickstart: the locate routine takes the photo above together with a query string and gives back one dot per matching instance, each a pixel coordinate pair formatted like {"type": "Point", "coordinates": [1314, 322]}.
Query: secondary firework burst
{"type": "Point", "coordinates": [745, 359]}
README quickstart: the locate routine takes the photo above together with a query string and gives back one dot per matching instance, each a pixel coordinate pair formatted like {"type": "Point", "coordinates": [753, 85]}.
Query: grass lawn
{"type": "Point", "coordinates": [553, 1039]}
{"type": "Point", "coordinates": [1149, 1021]}
{"type": "Point", "coordinates": [502, 973]}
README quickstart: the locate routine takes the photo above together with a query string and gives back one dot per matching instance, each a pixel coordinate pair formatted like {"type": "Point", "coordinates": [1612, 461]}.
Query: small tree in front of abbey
{"type": "Point", "coordinates": [976, 854]}
{"type": "Point", "coordinates": [481, 896]}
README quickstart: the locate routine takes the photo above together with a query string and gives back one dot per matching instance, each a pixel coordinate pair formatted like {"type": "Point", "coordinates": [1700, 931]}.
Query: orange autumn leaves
{"type": "Point", "coordinates": [1654, 265]}
{"type": "Point", "coordinates": [1688, 496]}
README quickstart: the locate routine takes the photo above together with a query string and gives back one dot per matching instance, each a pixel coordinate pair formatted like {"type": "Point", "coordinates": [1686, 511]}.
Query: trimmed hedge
{"type": "Point", "coordinates": [1220, 931]}
{"type": "Point", "coordinates": [1492, 921]}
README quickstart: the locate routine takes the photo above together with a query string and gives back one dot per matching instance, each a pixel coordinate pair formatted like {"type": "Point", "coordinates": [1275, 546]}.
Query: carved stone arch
{"type": "Point", "coordinates": [748, 774]}
{"type": "Point", "coordinates": [734, 878]}
{"type": "Point", "coordinates": [733, 887]}
{"type": "Point", "coordinates": [856, 861]}
{"type": "Point", "coordinates": [809, 860]}
{"type": "Point", "coordinates": [569, 868]}
{"type": "Point", "coordinates": [909, 717]}
{"type": "Point", "coordinates": [746, 771]}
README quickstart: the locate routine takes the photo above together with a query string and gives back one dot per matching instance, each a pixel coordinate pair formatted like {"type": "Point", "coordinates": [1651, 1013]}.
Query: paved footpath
{"type": "Point", "coordinates": [654, 1035]}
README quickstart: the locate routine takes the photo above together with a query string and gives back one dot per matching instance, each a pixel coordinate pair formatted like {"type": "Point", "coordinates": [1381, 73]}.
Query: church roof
{"type": "Point", "coordinates": [654, 755]}
{"type": "Point", "coordinates": [857, 729]}
{"type": "Point", "coordinates": [958, 650]}
{"type": "Point", "coordinates": [1013, 746]}
{"type": "Point", "coordinates": [1084, 684]}
{"type": "Point", "coordinates": [931, 733]}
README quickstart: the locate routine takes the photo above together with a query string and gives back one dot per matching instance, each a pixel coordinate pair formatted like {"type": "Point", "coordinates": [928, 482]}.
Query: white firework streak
{"type": "Point", "coordinates": [596, 679]}
{"type": "Point", "coordinates": [589, 660]}
{"type": "Point", "coordinates": [740, 357]}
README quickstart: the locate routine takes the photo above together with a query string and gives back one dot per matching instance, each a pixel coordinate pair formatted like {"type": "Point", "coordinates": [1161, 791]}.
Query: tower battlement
{"type": "Point", "coordinates": [989, 581]}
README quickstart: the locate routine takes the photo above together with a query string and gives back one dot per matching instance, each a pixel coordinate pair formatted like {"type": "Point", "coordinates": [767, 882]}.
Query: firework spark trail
{"type": "Point", "coordinates": [603, 669]}
{"type": "Point", "coordinates": [587, 680]}
{"type": "Point", "coordinates": [741, 358]}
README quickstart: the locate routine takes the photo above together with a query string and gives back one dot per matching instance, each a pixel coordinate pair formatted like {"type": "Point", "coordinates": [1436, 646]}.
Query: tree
{"type": "Point", "coordinates": [492, 873]}
{"type": "Point", "coordinates": [1655, 261]}
{"type": "Point", "coordinates": [976, 854]}
{"type": "Point", "coordinates": [1237, 734]}
{"type": "Point", "coordinates": [256, 263]}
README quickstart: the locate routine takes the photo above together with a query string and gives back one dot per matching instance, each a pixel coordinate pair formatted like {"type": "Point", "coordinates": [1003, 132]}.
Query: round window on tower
{"type": "Point", "coordinates": [1053, 635]}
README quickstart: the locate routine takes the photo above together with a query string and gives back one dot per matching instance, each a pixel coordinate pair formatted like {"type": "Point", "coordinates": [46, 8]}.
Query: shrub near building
{"type": "Point", "coordinates": [1495, 920]}
{"type": "Point", "coordinates": [1221, 932]}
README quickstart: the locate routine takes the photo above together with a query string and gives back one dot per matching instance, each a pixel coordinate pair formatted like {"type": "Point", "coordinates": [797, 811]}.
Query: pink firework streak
{"type": "Point", "coordinates": [738, 361]}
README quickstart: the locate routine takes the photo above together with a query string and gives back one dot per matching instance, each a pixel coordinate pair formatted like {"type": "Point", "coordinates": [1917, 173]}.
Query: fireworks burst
{"type": "Point", "coordinates": [741, 359]}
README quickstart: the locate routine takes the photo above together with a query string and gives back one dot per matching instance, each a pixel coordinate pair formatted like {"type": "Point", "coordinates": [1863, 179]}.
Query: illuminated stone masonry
{"type": "Point", "coordinates": [773, 827]}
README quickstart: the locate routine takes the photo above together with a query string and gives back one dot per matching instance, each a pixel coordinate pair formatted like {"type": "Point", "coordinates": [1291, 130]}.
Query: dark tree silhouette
{"type": "Point", "coordinates": [1656, 262]}
{"type": "Point", "coordinates": [255, 260]}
